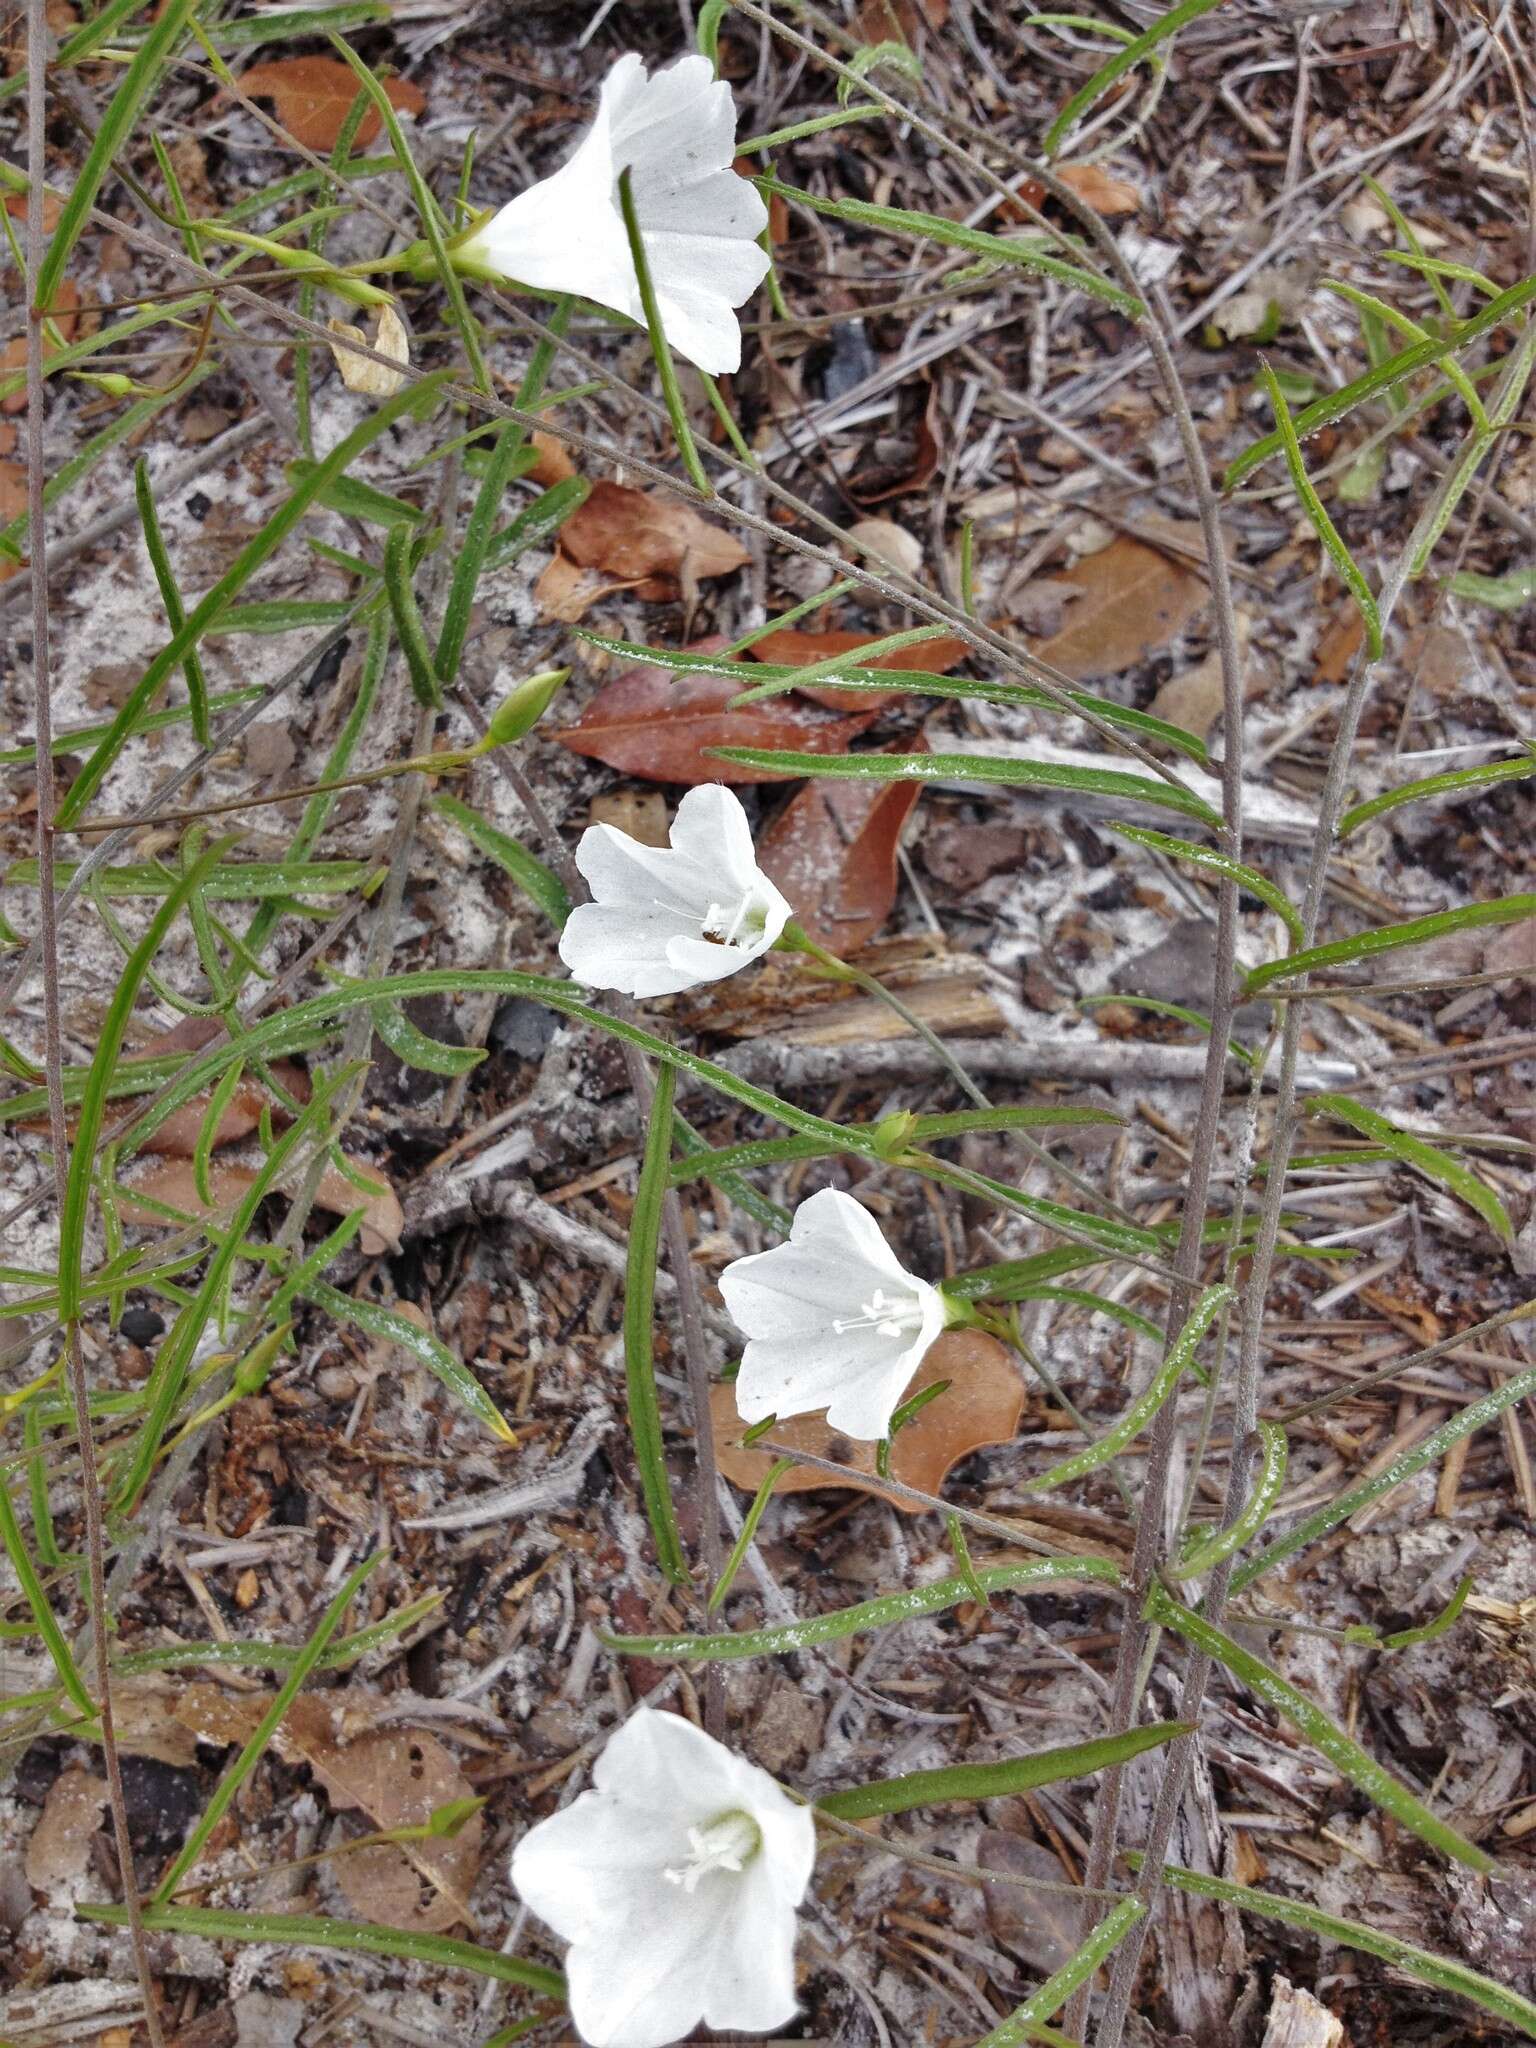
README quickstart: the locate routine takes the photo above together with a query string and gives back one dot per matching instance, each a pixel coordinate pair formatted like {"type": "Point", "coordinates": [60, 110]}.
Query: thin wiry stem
{"type": "Point", "coordinates": [1287, 1116]}
{"type": "Point", "coordinates": [53, 1044]}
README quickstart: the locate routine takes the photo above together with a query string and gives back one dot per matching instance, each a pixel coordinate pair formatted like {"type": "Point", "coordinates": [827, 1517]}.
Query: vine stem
{"type": "Point", "coordinates": [673, 1224]}
{"type": "Point", "coordinates": [38, 41]}
{"type": "Point", "coordinates": [1197, 1676]}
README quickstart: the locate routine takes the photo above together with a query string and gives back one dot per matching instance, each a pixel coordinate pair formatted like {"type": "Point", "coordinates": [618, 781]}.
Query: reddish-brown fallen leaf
{"type": "Point", "coordinates": [891, 21]}
{"type": "Point", "coordinates": [647, 533]}
{"type": "Point", "coordinates": [313, 96]}
{"type": "Point", "coordinates": [982, 1405]}
{"type": "Point", "coordinates": [13, 491]}
{"type": "Point", "coordinates": [1106, 195]}
{"type": "Point", "coordinates": [832, 850]}
{"type": "Point", "coordinates": [1135, 599]}
{"type": "Point", "coordinates": [177, 1137]}
{"type": "Point", "coordinates": [65, 315]}
{"type": "Point", "coordinates": [647, 723]}
{"type": "Point", "coordinates": [1338, 645]}
{"type": "Point", "coordinates": [397, 1777]}
{"type": "Point", "coordinates": [565, 593]}
{"type": "Point", "coordinates": [799, 650]}
{"type": "Point", "coordinates": [553, 464]}
{"type": "Point", "coordinates": [173, 1181]}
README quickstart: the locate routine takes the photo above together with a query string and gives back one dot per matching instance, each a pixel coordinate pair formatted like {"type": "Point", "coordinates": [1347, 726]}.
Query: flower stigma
{"type": "Point", "coordinates": [728, 1842]}
{"type": "Point", "coordinates": [888, 1315]}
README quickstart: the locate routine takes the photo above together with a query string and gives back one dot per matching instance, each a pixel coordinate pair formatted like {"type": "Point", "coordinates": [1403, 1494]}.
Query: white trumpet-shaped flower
{"type": "Point", "coordinates": [832, 1320]}
{"type": "Point", "coordinates": [675, 1880]}
{"type": "Point", "coordinates": [665, 918]}
{"type": "Point", "coordinates": [675, 133]}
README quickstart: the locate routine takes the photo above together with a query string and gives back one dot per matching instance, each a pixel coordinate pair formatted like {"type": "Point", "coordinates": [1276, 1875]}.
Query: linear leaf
{"type": "Point", "coordinates": [529, 872]}
{"type": "Point", "coordinates": [932, 227]}
{"type": "Point", "coordinates": [1385, 938]}
{"type": "Point", "coordinates": [998, 1781]}
{"type": "Point", "coordinates": [1345, 1754]}
{"type": "Point", "coordinates": [1109, 782]}
{"type": "Point", "coordinates": [1441, 1973]}
{"type": "Point", "coordinates": [1472, 1418]}
{"type": "Point", "coordinates": [639, 1332]}
{"type": "Point", "coordinates": [1427, 1159]}
{"type": "Point", "coordinates": [1317, 515]}
{"type": "Point", "coordinates": [1452, 783]}
{"type": "Point", "coordinates": [1123, 60]}
{"type": "Point", "coordinates": [296, 1930]}
{"type": "Point", "coordinates": [1208, 1550]}
{"type": "Point", "coordinates": [1022, 2025]}
{"type": "Point", "coordinates": [374, 1319]}
{"type": "Point", "coordinates": [1211, 857]}
{"type": "Point", "coordinates": [867, 1614]}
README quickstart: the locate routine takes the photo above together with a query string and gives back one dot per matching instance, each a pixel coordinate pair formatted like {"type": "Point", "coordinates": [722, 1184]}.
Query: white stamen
{"type": "Point", "coordinates": [728, 1843]}
{"type": "Point", "coordinates": [891, 1318]}
{"type": "Point", "coordinates": [724, 924]}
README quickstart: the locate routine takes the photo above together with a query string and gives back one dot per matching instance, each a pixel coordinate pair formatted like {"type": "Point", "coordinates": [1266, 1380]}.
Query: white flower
{"type": "Point", "coordinates": [832, 1320]}
{"type": "Point", "coordinates": [668, 918]}
{"type": "Point", "coordinates": [676, 135]}
{"type": "Point", "coordinates": [675, 1881]}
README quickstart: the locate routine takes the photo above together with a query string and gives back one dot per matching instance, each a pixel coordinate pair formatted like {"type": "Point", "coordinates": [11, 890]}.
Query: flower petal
{"type": "Point", "coordinates": [627, 949]}
{"type": "Point", "coordinates": [621, 871]}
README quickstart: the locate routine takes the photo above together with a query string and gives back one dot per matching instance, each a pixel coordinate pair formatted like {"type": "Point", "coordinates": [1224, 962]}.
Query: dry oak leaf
{"type": "Point", "coordinates": [798, 650]}
{"type": "Point", "coordinates": [832, 850]}
{"type": "Point", "coordinates": [314, 95]}
{"type": "Point", "coordinates": [982, 1405]}
{"type": "Point", "coordinates": [174, 1182]}
{"type": "Point", "coordinates": [1135, 599]}
{"type": "Point", "coordinates": [564, 593]}
{"type": "Point", "coordinates": [361, 373]}
{"type": "Point", "coordinates": [177, 1137]}
{"type": "Point", "coordinates": [552, 461]}
{"type": "Point", "coordinates": [64, 314]}
{"type": "Point", "coordinates": [398, 1777]}
{"type": "Point", "coordinates": [1337, 646]}
{"type": "Point", "coordinates": [648, 723]}
{"type": "Point", "coordinates": [1106, 195]}
{"type": "Point", "coordinates": [647, 534]}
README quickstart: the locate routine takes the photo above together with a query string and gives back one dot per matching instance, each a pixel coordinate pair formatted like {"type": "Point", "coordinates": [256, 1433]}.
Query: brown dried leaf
{"type": "Point", "coordinates": [1106, 195]}
{"type": "Point", "coordinates": [313, 96]}
{"type": "Point", "coordinates": [832, 850]}
{"type": "Point", "coordinates": [1134, 601]}
{"type": "Point", "coordinates": [983, 1404]}
{"type": "Point", "coordinates": [642, 813]}
{"type": "Point", "coordinates": [633, 533]}
{"type": "Point", "coordinates": [565, 593]}
{"type": "Point", "coordinates": [646, 722]}
{"type": "Point", "coordinates": [398, 1777]}
{"type": "Point", "coordinates": [873, 487]}
{"type": "Point", "coordinates": [177, 1136]}
{"type": "Point", "coordinates": [553, 464]}
{"type": "Point", "coordinates": [13, 491]}
{"type": "Point", "coordinates": [60, 1848]}
{"type": "Point", "coordinates": [172, 1180]}
{"type": "Point", "coordinates": [65, 314]}
{"type": "Point", "coordinates": [360, 373]}
{"type": "Point", "coordinates": [798, 650]}
{"type": "Point", "coordinates": [1338, 646]}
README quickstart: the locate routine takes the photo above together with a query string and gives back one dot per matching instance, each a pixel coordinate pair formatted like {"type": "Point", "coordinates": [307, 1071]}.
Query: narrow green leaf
{"type": "Point", "coordinates": [354, 499]}
{"type": "Point", "coordinates": [471, 557]}
{"type": "Point", "coordinates": [749, 1524]}
{"type": "Point", "coordinates": [374, 1319]}
{"type": "Point", "coordinates": [974, 1782]}
{"type": "Point", "coordinates": [1180, 1356]}
{"type": "Point", "coordinates": [71, 737]}
{"type": "Point", "coordinates": [1333, 405]}
{"type": "Point", "coordinates": [170, 597]}
{"type": "Point", "coordinates": [852, 675]}
{"type": "Point", "coordinates": [924, 1129]}
{"type": "Point", "coordinates": [1440, 1973]}
{"type": "Point", "coordinates": [932, 1598]}
{"type": "Point", "coordinates": [266, 1728]}
{"type": "Point", "coordinates": [294, 1930]}
{"type": "Point", "coordinates": [1506, 593]}
{"type": "Point", "coordinates": [537, 522]}
{"type": "Point", "coordinates": [1453, 783]}
{"type": "Point", "coordinates": [1109, 782]}
{"type": "Point", "coordinates": [47, 1622]}
{"type": "Point", "coordinates": [410, 632]}
{"type": "Point", "coordinates": [117, 125]}
{"type": "Point", "coordinates": [1348, 1758]}
{"type": "Point", "coordinates": [932, 227]}
{"type": "Point", "coordinates": [1209, 1549]}
{"type": "Point", "coordinates": [536, 881]}
{"type": "Point", "coordinates": [225, 881]}
{"type": "Point", "coordinates": [1157, 1007]}
{"type": "Point", "coordinates": [1386, 938]}
{"type": "Point", "coordinates": [93, 1104]}
{"type": "Point", "coordinates": [1427, 1159]}
{"type": "Point", "coordinates": [414, 401]}
{"type": "Point", "coordinates": [639, 1331]}
{"type": "Point", "coordinates": [1022, 2025]}
{"type": "Point", "coordinates": [415, 1049]}
{"type": "Point", "coordinates": [1268, 892]}
{"type": "Point", "coordinates": [1123, 60]}
{"type": "Point", "coordinates": [1317, 515]}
